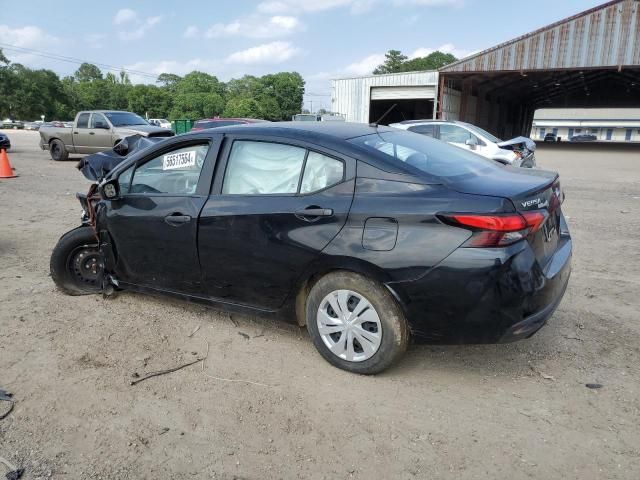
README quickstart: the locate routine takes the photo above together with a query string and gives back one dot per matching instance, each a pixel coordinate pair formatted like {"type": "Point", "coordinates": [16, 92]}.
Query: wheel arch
{"type": "Point", "coordinates": [325, 266]}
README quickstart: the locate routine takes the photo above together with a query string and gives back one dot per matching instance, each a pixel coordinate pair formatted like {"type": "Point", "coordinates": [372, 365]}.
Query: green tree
{"type": "Point", "coordinates": [196, 105]}
{"type": "Point", "coordinates": [150, 100]}
{"type": "Point", "coordinates": [87, 72]}
{"type": "Point", "coordinates": [243, 107]}
{"type": "Point", "coordinates": [433, 61]}
{"type": "Point", "coordinates": [392, 63]}
{"type": "Point", "coordinates": [168, 80]}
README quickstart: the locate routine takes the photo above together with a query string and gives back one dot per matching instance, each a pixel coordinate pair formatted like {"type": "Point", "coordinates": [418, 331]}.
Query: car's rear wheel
{"type": "Point", "coordinates": [355, 323]}
{"type": "Point", "coordinates": [76, 264]}
{"type": "Point", "coordinates": [58, 151]}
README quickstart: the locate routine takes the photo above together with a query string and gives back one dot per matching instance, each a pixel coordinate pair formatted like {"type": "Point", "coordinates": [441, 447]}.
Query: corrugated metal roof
{"type": "Point", "coordinates": [587, 114]}
{"type": "Point", "coordinates": [604, 36]}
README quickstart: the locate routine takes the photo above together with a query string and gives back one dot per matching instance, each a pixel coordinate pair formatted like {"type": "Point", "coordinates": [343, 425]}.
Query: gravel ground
{"type": "Point", "coordinates": [466, 412]}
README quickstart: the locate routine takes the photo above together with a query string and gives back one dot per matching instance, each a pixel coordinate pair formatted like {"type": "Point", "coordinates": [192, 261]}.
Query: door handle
{"type": "Point", "coordinates": [176, 219]}
{"type": "Point", "coordinates": [76, 133]}
{"type": "Point", "coordinates": [92, 133]}
{"type": "Point", "coordinates": [313, 213]}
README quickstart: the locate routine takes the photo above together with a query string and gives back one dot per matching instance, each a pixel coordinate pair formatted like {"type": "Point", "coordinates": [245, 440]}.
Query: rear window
{"type": "Point", "coordinates": [433, 157]}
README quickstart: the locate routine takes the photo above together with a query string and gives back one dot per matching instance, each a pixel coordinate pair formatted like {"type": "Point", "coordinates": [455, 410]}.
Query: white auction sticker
{"type": "Point", "coordinates": [179, 160]}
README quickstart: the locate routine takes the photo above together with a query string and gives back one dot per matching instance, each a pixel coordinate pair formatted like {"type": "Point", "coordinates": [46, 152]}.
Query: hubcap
{"type": "Point", "coordinates": [349, 325]}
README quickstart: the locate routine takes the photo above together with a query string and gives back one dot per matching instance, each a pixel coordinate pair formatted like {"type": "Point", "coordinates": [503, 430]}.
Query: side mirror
{"type": "Point", "coordinates": [102, 125]}
{"type": "Point", "coordinates": [110, 190]}
{"type": "Point", "coordinates": [471, 142]}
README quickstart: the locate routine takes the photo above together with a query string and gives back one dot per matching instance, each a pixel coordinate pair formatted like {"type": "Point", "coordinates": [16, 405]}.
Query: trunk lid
{"type": "Point", "coordinates": [528, 190]}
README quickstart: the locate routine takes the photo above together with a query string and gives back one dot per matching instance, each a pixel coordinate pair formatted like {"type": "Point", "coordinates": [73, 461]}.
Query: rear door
{"type": "Point", "coordinates": [154, 225]}
{"type": "Point", "coordinates": [275, 205]}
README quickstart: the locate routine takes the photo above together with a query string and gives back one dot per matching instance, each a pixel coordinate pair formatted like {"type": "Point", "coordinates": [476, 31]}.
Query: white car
{"type": "Point", "coordinates": [517, 151]}
{"type": "Point", "coordinates": [160, 122]}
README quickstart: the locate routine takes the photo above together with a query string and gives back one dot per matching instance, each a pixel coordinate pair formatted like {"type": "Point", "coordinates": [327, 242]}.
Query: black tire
{"type": "Point", "coordinates": [76, 264]}
{"type": "Point", "coordinates": [58, 151]}
{"type": "Point", "coordinates": [395, 330]}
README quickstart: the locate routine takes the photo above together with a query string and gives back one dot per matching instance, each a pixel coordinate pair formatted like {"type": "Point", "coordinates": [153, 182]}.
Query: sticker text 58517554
{"type": "Point", "coordinates": [179, 160]}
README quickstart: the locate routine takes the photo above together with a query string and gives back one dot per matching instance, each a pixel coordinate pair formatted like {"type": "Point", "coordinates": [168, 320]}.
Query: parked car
{"type": "Point", "coordinates": [306, 117]}
{"type": "Point", "coordinates": [160, 122]}
{"type": "Point", "coordinates": [222, 122]}
{"type": "Point", "coordinates": [583, 138]}
{"type": "Point", "coordinates": [5, 143]}
{"type": "Point", "coordinates": [31, 126]}
{"type": "Point", "coordinates": [550, 138]}
{"type": "Point", "coordinates": [95, 131]}
{"type": "Point", "coordinates": [13, 124]}
{"type": "Point", "coordinates": [518, 152]}
{"type": "Point", "coordinates": [365, 234]}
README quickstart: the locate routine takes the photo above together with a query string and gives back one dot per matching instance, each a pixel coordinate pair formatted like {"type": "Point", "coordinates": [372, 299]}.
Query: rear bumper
{"type": "Point", "coordinates": [486, 295]}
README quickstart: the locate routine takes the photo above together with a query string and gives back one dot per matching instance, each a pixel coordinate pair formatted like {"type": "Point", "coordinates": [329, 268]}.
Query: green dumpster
{"type": "Point", "coordinates": [181, 126]}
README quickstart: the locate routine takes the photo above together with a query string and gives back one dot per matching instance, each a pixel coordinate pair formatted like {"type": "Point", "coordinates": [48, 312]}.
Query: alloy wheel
{"type": "Point", "coordinates": [349, 325]}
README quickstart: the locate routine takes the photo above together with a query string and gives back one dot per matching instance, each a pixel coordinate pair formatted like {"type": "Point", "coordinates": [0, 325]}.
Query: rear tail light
{"type": "Point", "coordinates": [496, 230]}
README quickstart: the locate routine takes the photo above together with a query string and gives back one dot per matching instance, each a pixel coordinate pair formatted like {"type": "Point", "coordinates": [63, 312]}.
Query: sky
{"type": "Point", "coordinates": [320, 39]}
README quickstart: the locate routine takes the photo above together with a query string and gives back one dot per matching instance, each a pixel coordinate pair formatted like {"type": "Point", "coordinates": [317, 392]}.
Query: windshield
{"type": "Point", "coordinates": [123, 119]}
{"type": "Point", "coordinates": [484, 133]}
{"type": "Point", "coordinates": [434, 157]}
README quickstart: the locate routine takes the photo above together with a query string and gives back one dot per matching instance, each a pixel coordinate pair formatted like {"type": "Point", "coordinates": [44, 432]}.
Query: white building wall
{"type": "Point", "coordinates": [618, 134]}
{"type": "Point", "coordinates": [351, 97]}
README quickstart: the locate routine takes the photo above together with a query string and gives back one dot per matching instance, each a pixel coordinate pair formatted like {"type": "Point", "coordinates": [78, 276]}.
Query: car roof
{"type": "Point", "coordinates": [429, 120]}
{"type": "Point", "coordinates": [306, 130]}
{"type": "Point", "coordinates": [238, 119]}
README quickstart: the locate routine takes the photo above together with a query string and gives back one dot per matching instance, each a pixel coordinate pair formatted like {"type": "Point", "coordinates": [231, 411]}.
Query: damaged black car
{"type": "Point", "coordinates": [368, 235]}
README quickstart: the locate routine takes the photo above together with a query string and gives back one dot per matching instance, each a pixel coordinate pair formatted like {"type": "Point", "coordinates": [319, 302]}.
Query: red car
{"type": "Point", "coordinates": [222, 122]}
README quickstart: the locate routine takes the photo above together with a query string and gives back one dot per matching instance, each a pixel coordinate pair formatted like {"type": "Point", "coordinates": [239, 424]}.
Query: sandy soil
{"type": "Point", "coordinates": [466, 412]}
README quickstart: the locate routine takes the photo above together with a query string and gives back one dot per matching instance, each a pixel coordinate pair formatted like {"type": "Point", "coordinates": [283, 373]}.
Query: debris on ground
{"type": "Point", "coordinates": [593, 386]}
{"type": "Point", "coordinates": [194, 331]}
{"type": "Point", "coordinates": [163, 372]}
{"type": "Point", "coordinates": [6, 397]}
{"type": "Point", "coordinates": [14, 473]}
{"type": "Point", "coordinates": [244, 335]}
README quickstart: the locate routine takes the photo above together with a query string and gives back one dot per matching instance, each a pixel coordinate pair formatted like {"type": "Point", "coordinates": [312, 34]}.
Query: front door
{"type": "Point", "coordinates": [99, 134]}
{"type": "Point", "coordinates": [81, 134]}
{"type": "Point", "coordinates": [154, 223]}
{"type": "Point", "coordinates": [274, 208]}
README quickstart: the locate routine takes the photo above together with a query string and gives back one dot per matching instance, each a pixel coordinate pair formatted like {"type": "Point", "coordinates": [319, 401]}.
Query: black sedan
{"type": "Point", "coordinates": [367, 235]}
{"type": "Point", "coordinates": [5, 143]}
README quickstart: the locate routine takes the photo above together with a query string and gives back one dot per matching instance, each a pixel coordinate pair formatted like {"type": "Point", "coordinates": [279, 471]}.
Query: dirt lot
{"type": "Point", "coordinates": [500, 411]}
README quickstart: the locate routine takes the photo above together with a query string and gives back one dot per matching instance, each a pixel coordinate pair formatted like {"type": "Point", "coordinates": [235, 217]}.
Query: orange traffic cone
{"type": "Point", "coordinates": [6, 171]}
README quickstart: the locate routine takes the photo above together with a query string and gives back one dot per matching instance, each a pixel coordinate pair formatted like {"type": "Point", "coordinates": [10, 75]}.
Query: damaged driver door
{"type": "Point", "coordinates": [153, 225]}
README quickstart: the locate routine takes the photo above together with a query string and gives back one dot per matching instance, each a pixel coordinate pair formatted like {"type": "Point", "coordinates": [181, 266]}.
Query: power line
{"type": "Point", "coordinates": [54, 56]}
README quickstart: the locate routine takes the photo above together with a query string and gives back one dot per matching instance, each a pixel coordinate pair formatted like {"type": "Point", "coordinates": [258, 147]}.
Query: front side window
{"type": "Point", "coordinates": [454, 134]}
{"type": "Point", "coordinates": [98, 121]}
{"type": "Point", "coordinates": [83, 120]}
{"type": "Point", "coordinates": [262, 168]}
{"type": "Point", "coordinates": [175, 172]}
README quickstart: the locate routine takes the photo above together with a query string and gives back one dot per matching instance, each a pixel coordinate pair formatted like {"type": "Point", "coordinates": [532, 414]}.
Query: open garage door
{"type": "Point", "coordinates": [411, 103]}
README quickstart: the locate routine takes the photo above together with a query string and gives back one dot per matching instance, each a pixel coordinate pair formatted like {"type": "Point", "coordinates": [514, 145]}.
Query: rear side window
{"type": "Point", "coordinates": [264, 168]}
{"type": "Point", "coordinates": [256, 168]}
{"type": "Point", "coordinates": [83, 120]}
{"type": "Point", "coordinates": [321, 172]}
{"type": "Point", "coordinates": [438, 159]}
{"type": "Point", "coordinates": [454, 134]}
{"type": "Point", "coordinates": [428, 130]}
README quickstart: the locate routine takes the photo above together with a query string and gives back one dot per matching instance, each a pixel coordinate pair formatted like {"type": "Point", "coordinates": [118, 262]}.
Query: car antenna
{"type": "Point", "coordinates": [375, 124]}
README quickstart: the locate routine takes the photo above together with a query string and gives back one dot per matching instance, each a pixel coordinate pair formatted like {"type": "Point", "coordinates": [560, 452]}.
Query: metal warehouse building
{"type": "Point", "coordinates": [588, 60]}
